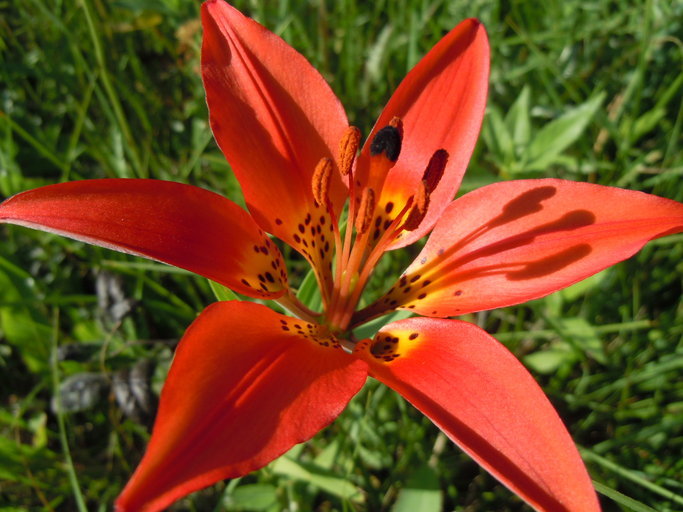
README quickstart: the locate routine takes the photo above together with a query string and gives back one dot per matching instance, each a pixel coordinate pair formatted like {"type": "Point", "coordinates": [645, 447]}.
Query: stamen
{"type": "Point", "coordinates": [435, 168]}
{"type": "Point", "coordinates": [397, 123]}
{"type": "Point", "coordinates": [365, 210]}
{"type": "Point", "coordinates": [421, 203]}
{"type": "Point", "coordinates": [387, 141]}
{"type": "Point", "coordinates": [348, 148]}
{"type": "Point", "coordinates": [320, 183]}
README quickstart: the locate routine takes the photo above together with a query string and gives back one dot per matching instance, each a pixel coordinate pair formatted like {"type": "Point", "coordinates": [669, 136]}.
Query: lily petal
{"type": "Point", "coordinates": [181, 225]}
{"type": "Point", "coordinates": [487, 403]}
{"type": "Point", "coordinates": [273, 116]}
{"type": "Point", "coordinates": [441, 103]}
{"type": "Point", "coordinates": [515, 241]}
{"type": "Point", "coordinates": [246, 384]}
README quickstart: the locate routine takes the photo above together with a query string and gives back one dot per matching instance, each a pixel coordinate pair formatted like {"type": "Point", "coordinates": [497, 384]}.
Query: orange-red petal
{"type": "Point", "coordinates": [246, 384]}
{"type": "Point", "coordinates": [181, 225]}
{"type": "Point", "coordinates": [482, 397]}
{"type": "Point", "coordinates": [441, 103]}
{"type": "Point", "coordinates": [273, 116]}
{"type": "Point", "coordinates": [514, 241]}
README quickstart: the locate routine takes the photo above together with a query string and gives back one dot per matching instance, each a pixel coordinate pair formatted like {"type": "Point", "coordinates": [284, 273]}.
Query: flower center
{"type": "Point", "coordinates": [375, 217]}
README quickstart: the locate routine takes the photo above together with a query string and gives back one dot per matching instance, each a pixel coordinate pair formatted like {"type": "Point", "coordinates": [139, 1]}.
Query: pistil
{"type": "Point", "coordinates": [372, 225]}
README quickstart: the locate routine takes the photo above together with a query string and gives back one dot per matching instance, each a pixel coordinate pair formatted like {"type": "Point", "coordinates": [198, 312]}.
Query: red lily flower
{"type": "Point", "coordinates": [248, 383]}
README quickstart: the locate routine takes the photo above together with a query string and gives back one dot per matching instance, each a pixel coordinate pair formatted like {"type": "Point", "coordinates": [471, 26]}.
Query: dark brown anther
{"type": "Point", "coordinates": [387, 141]}
{"type": "Point", "coordinates": [419, 209]}
{"type": "Point", "coordinates": [348, 148]}
{"type": "Point", "coordinates": [320, 184]}
{"type": "Point", "coordinates": [435, 168]}
{"type": "Point", "coordinates": [398, 124]}
{"type": "Point", "coordinates": [365, 210]}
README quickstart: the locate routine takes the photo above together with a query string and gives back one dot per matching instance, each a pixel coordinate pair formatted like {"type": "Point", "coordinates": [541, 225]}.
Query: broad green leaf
{"type": "Point", "coordinates": [13, 461]}
{"type": "Point", "coordinates": [369, 329]}
{"type": "Point", "coordinates": [582, 287]}
{"type": "Point", "coordinates": [309, 293]}
{"type": "Point", "coordinates": [647, 122]}
{"type": "Point", "coordinates": [548, 361]}
{"type": "Point", "coordinates": [255, 497]}
{"type": "Point", "coordinates": [518, 121]}
{"type": "Point", "coordinates": [221, 292]}
{"type": "Point", "coordinates": [500, 139]}
{"type": "Point", "coordinates": [422, 493]}
{"type": "Point", "coordinates": [583, 336]}
{"type": "Point", "coordinates": [22, 318]}
{"type": "Point", "coordinates": [325, 480]}
{"type": "Point", "coordinates": [559, 134]}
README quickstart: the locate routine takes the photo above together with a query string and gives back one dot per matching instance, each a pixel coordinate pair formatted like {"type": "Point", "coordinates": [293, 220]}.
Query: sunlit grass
{"type": "Point", "coordinates": [587, 90]}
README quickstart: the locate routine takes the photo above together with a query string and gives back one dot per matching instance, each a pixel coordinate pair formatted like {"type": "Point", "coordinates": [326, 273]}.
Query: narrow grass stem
{"type": "Point", "coordinates": [71, 471]}
{"type": "Point", "coordinates": [111, 93]}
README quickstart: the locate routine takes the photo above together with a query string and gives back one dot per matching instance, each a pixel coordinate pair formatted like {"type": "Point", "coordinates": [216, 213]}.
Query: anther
{"type": "Point", "coordinates": [387, 141]}
{"type": "Point", "coordinates": [419, 210]}
{"type": "Point", "coordinates": [365, 210]}
{"type": "Point", "coordinates": [348, 147]}
{"type": "Point", "coordinates": [398, 124]}
{"type": "Point", "coordinates": [320, 183]}
{"type": "Point", "coordinates": [435, 168]}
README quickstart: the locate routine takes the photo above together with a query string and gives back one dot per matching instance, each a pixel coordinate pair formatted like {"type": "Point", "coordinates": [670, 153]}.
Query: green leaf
{"type": "Point", "coordinates": [314, 475]}
{"type": "Point", "coordinates": [583, 336]}
{"type": "Point", "coordinates": [518, 121]}
{"type": "Point", "coordinates": [422, 493]}
{"type": "Point", "coordinates": [22, 317]}
{"type": "Point", "coordinates": [500, 138]}
{"type": "Point", "coordinates": [221, 292]}
{"type": "Point", "coordinates": [558, 135]}
{"type": "Point", "coordinates": [548, 361]}
{"type": "Point", "coordinates": [255, 497]}
{"type": "Point", "coordinates": [369, 329]}
{"type": "Point", "coordinates": [622, 499]}
{"type": "Point", "coordinates": [582, 287]}
{"type": "Point", "coordinates": [309, 293]}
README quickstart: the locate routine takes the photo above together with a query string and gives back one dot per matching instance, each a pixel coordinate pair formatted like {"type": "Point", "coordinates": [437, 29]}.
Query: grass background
{"type": "Point", "coordinates": [587, 90]}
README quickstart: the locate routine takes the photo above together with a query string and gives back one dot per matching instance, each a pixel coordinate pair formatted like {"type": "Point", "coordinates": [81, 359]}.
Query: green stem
{"type": "Point", "coordinates": [71, 471]}
{"type": "Point", "coordinates": [111, 93]}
